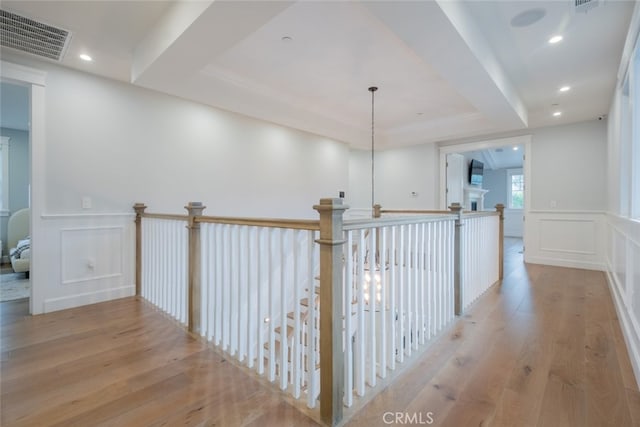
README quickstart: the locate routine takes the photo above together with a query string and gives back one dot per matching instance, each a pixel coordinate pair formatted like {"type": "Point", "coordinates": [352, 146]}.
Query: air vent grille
{"type": "Point", "coordinates": [26, 35]}
{"type": "Point", "coordinates": [585, 5]}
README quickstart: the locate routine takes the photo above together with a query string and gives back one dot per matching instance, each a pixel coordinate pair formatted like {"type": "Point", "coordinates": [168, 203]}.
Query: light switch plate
{"type": "Point", "coordinates": [86, 203]}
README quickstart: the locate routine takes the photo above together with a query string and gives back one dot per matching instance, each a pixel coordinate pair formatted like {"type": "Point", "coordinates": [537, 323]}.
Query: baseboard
{"type": "Point", "coordinates": [569, 263]}
{"type": "Point", "coordinates": [630, 337]}
{"type": "Point", "coordinates": [71, 301]}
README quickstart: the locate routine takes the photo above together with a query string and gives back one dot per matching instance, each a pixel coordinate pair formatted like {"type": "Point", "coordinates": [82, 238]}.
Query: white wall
{"type": "Point", "coordinates": [569, 167]}
{"type": "Point", "coordinates": [623, 232]}
{"type": "Point", "coordinates": [565, 220]}
{"type": "Point", "coordinates": [118, 144]}
{"type": "Point", "coordinates": [399, 173]}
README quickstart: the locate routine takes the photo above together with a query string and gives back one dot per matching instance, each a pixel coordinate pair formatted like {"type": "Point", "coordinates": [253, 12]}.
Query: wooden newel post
{"type": "Point", "coordinates": [139, 208]}
{"type": "Point", "coordinates": [500, 209]}
{"type": "Point", "coordinates": [193, 282]}
{"type": "Point", "coordinates": [457, 259]}
{"type": "Point", "coordinates": [377, 211]}
{"type": "Point", "coordinates": [331, 309]}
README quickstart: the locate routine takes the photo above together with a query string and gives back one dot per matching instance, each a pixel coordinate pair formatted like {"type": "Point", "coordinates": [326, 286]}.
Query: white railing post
{"type": "Point", "coordinates": [194, 283]}
{"type": "Point", "coordinates": [139, 208]}
{"type": "Point", "coordinates": [457, 260]}
{"type": "Point", "coordinates": [331, 310]}
{"type": "Point", "coordinates": [500, 209]}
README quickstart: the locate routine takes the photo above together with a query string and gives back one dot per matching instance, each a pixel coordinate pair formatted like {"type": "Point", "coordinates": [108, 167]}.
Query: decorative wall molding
{"type": "Point", "coordinates": [566, 239]}
{"type": "Point", "coordinates": [91, 253]}
{"type": "Point", "coordinates": [87, 215]}
{"type": "Point", "coordinates": [91, 259]}
{"type": "Point", "coordinates": [623, 274]}
{"type": "Point", "coordinates": [76, 300]}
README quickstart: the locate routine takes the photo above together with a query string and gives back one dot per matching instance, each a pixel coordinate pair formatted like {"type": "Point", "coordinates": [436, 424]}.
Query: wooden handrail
{"type": "Point", "coordinates": [478, 214]}
{"type": "Point", "coordinates": [175, 217]}
{"type": "Point", "coordinates": [357, 224]}
{"type": "Point", "coordinates": [412, 212]}
{"type": "Point", "coordinates": [296, 224]}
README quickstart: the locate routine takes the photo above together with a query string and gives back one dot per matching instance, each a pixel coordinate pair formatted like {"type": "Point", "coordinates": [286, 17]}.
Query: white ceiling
{"type": "Point", "coordinates": [444, 69]}
{"type": "Point", "coordinates": [507, 157]}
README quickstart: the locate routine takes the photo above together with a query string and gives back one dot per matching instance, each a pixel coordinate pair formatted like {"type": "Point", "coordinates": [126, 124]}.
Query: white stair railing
{"type": "Point", "coordinates": [480, 247]}
{"type": "Point", "coordinates": [253, 288]}
{"type": "Point", "coordinates": [164, 255]}
{"type": "Point", "coordinates": [399, 279]}
{"type": "Point", "coordinates": [259, 301]}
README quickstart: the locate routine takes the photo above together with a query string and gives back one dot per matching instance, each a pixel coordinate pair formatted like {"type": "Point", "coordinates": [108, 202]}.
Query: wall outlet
{"type": "Point", "coordinates": [553, 204]}
{"type": "Point", "coordinates": [86, 203]}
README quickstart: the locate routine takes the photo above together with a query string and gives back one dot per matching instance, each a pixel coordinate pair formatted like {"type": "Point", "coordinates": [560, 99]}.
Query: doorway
{"type": "Point", "coordinates": [34, 81]}
{"type": "Point", "coordinates": [14, 192]}
{"type": "Point", "coordinates": [486, 173]}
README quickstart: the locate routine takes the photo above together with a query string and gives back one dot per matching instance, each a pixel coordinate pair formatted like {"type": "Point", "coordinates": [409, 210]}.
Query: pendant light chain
{"type": "Point", "coordinates": [372, 89]}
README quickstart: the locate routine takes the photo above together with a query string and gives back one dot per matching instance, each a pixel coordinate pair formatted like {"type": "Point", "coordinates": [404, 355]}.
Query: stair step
{"type": "Point", "coordinates": [277, 330]}
{"type": "Point", "coordinates": [277, 354]}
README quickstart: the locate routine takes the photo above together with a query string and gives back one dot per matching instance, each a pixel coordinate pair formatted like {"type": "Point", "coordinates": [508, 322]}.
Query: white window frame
{"type": "Point", "coordinates": [4, 158]}
{"type": "Point", "coordinates": [510, 173]}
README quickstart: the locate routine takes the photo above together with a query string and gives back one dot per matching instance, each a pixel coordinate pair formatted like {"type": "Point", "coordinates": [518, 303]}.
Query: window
{"type": "Point", "coordinates": [515, 189]}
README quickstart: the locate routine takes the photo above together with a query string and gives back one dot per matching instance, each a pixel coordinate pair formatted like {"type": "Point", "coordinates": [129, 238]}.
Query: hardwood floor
{"type": "Point", "coordinates": [122, 363]}
{"type": "Point", "coordinates": [543, 349]}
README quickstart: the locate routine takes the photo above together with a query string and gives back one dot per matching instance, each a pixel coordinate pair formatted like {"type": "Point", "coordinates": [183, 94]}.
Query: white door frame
{"type": "Point", "coordinates": [35, 80]}
{"type": "Point", "coordinates": [524, 140]}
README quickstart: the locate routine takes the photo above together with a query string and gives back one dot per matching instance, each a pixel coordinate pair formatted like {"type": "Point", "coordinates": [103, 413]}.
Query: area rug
{"type": "Point", "coordinates": [14, 286]}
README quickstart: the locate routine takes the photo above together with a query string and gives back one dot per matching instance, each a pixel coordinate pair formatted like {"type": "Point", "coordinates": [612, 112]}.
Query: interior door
{"type": "Point", "coordinates": [455, 178]}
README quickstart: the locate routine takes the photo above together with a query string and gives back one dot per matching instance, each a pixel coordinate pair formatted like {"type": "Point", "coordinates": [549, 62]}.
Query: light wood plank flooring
{"type": "Point", "coordinates": [543, 349]}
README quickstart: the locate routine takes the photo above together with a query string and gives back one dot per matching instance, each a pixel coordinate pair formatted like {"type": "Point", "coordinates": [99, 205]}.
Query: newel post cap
{"type": "Point", "coordinates": [195, 208]}
{"type": "Point", "coordinates": [455, 207]}
{"type": "Point", "coordinates": [330, 204]}
{"type": "Point", "coordinates": [139, 208]}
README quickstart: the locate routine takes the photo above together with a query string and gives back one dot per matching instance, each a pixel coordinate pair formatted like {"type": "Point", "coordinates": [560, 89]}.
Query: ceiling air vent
{"type": "Point", "coordinates": [585, 5]}
{"type": "Point", "coordinates": [36, 38]}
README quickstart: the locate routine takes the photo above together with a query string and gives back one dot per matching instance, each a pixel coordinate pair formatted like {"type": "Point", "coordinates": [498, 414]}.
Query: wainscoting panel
{"type": "Point", "coordinates": [91, 253]}
{"type": "Point", "coordinates": [91, 258]}
{"type": "Point", "coordinates": [573, 236]}
{"type": "Point", "coordinates": [566, 239]}
{"type": "Point", "coordinates": [623, 274]}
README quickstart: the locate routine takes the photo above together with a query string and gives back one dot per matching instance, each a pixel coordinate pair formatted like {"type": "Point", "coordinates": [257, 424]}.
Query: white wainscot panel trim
{"type": "Point", "coordinates": [91, 253]}
{"type": "Point", "coordinates": [90, 259]}
{"type": "Point", "coordinates": [623, 274]}
{"type": "Point", "coordinates": [566, 239]}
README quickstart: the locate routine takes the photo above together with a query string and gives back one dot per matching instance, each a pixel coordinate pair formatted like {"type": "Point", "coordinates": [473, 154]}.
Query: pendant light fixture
{"type": "Point", "coordinates": [373, 90]}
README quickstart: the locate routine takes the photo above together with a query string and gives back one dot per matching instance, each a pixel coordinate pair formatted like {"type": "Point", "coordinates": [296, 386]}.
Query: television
{"type": "Point", "coordinates": [476, 170]}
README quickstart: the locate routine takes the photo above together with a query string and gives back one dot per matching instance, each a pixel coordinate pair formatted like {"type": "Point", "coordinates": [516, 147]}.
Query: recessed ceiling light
{"type": "Point", "coordinates": [515, 148]}
{"type": "Point", "coordinates": [557, 113]}
{"type": "Point", "coordinates": [528, 17]}
{"type": "Point", "coordinates": [565, 88]}
{"type": "Point", "coordinates": [86, 57]}
{"type": "Point", "coordinates": [419, 114]}
{"type": "Point", "coordinates": [555, 39]}
{"type": "Point", "coordinates": [286, 39]}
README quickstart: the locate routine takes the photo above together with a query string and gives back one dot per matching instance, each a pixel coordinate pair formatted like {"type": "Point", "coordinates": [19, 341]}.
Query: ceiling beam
{"type": "Point", "coordinates": [445, 36]}
{"type": "Point", "coordinates": [192, 33]}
